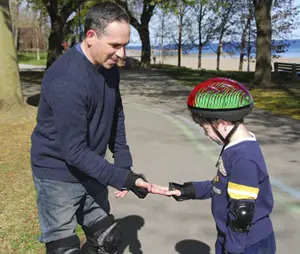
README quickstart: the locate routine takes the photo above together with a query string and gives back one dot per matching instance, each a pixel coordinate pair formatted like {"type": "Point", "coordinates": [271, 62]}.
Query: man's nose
{"type": "Point", "coordinates": [121, 53]}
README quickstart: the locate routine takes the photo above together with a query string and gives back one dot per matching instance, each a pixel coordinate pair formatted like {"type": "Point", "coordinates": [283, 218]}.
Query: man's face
{"type": "Point", "coordinates": [109, 48]}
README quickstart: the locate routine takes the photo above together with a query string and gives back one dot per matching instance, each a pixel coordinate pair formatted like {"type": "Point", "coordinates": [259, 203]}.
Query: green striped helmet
{"type": "Point", "coordinates": [220, 98]}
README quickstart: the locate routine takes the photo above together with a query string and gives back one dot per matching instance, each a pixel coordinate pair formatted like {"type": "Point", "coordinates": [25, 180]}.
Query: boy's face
{"type": "Point", "coordinates": [211, 134]}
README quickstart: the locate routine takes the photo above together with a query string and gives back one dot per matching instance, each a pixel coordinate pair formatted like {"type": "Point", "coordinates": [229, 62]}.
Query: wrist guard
{"type": "Point", "coordinates": [130, 185]}
{"type": "Point", "coordinates": [187, 191]}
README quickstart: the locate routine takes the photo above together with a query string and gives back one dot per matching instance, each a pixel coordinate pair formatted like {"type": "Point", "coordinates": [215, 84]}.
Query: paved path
{"type": "Point", "coordinates": [30, 67]}
{"type": "Point", "coordinates": [167, 146]}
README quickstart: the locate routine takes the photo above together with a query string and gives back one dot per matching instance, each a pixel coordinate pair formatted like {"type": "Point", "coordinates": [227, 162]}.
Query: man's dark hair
{"type": "Point", "coordinates": [102, 14]}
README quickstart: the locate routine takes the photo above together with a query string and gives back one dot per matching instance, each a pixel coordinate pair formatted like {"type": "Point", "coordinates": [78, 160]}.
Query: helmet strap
{"type": "Point", "coordinates": [227, 138]}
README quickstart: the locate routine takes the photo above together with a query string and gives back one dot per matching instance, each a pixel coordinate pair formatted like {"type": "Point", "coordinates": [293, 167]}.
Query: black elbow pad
{"type": "Point", "coordinates": [243, 212]}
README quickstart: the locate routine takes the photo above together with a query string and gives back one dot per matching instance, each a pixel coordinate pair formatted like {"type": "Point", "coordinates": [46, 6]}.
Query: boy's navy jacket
{"type": "Point", "coordinates": [80, 113]}
{"type": "Point", "coordinates": [242, 174]}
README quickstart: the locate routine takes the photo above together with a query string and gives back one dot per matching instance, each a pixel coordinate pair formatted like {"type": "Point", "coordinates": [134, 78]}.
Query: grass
{"type": "Point", "coordinates": [19, 221]}
{"type": "Point", "coordinates": [31, 58]}
{"type": "Point", "coordinates": [19, 230]}
{"type": "Point", "coordinates": [283, 98]}
{"type": "Point", "coordinates": [278, 101]}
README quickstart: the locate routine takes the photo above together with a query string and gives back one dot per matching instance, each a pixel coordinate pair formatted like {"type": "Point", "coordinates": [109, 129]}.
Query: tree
{"type": "Point", "coordinates": [133, 8]}
{"type": "Point", "coordinates": [183, 13]}
{"type": "Point", "coordinates": [225, 8]}
{"type": "Point", "coordinates": [15, 11]}
{"type": "Point", "coordinates": [206, 26]}
{"type": "Point", "coordinates": [10, 86]}
{"type": "Point", "coordinates": [262, 76]}
{"type": "Point", "coordinates": [245, 18]}
{"type": "Point", "coordinates": [161, 30]}
{"type": "Point", "coordinates": [285, 20]}
{"type": "Point", "coordinates": [59, 13]}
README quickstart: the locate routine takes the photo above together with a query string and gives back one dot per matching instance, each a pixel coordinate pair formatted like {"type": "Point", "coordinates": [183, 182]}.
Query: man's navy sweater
{"type": "Point", "coordinates": [80, 114]}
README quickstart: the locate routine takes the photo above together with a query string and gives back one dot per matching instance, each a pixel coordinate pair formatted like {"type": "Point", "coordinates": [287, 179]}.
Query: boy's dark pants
{"type": "Point", "coordinates": [265, 246]}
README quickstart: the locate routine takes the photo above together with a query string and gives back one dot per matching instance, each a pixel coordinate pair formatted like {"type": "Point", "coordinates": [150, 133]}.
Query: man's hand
{"type": "Point", "coordinates": [164, 190]}
{"type": "Point", "coordinates": [121, 194]}
{"type": "Point", "coordinates": [138, 184]}
{"type": "Point", "coordinates": [143, 184]}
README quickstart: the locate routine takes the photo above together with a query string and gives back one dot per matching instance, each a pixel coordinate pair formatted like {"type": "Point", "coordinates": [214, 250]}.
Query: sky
{"type": "Point", "coordinates": [297, 2]}
{"type": "Point", "coordinates": [135, 40]}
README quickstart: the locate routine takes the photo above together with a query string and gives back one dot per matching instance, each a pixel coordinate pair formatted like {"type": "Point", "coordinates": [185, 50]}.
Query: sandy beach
{"type": "Point", "coordinates": [209, 62]}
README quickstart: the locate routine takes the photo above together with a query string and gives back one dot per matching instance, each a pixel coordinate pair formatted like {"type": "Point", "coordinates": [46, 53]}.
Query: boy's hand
{"type": "Point", "coordinates": [186, 191]}
{"type": "Point", "coordinates": [176, 193]}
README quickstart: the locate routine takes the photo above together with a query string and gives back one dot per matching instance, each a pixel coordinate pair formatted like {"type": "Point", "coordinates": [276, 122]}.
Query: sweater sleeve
{"type": "Point", "coordinates": [118, 144]}
{"type": "Point", "coordinates": [68, 102]}
{"type": "Point", "coordinates": [243, 185]}
{"type": "Point", "coordinates": [203, 189]}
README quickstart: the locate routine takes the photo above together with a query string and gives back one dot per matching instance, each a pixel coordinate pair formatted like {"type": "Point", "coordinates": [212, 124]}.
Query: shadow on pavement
{"type": "Point", "coordinates": [129, 227]}
{"type": "Point", "coordinates": [273, 129]}
{"type": "Point", "coordinates": [192, 247]}
{"type": "Point", "coordinates": [34, 100]}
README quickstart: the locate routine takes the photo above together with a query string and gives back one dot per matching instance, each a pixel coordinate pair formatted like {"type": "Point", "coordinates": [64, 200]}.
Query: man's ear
{"type": "Point", "coordinates": [90, 36]}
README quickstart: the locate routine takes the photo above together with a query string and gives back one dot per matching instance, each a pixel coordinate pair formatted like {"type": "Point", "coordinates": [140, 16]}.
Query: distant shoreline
{"type": "Point", "coordinates": [209, 61]}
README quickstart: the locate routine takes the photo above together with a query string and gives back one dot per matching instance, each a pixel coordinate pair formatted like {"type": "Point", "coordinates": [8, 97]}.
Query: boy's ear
{"type": "Point", "coordinates": [222, 124]}
{"type": "Point", "coordinates": [226, 124]}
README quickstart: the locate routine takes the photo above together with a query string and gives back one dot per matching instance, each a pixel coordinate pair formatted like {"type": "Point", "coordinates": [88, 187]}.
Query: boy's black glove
{"type": "Point", "coordinates": [187, 190]}
{"type": "Point", "coordinates": [130, 184]}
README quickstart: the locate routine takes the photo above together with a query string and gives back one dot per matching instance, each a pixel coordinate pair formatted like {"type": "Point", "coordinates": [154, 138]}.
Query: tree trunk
{"type": "Point", "coordinates": [200, 56]}
{"type": "Point", "coordinates": [10, 86]}
{"type": "Point", "coordinates": [58, 23]}
{"type": "Point", "coordinates": [55, 42]}
{"type": "Point", "coordinates": [219, 52]}
{"type": "Point", "coordinates": [142, 27]}
{"type": "Point", "coordinates": [146, 47]}
{"type": "Point", "coordinates": [243, 45]}
{"type": "Point", "coordinates": [161, 60]}
{"type": "Point", "coordinates": [200, 38]}
{"type": "Point", "coordinates": [179, 44]}
{"type": "Point", "coordinates": [262, 76]}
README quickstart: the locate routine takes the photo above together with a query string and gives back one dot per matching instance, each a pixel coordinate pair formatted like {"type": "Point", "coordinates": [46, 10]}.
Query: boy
{"type": "Point", "coordinates": [241, 193]}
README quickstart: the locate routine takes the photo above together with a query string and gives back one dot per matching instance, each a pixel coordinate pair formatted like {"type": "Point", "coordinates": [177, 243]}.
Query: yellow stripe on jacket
{"type": "Point", "coordinates": [238, 191]}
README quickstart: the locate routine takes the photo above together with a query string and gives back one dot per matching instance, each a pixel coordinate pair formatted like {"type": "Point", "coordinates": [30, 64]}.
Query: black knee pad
{"type": "Point", "coordinates": [103, 237]}
{"type": "Point", "coordinates": [68, 245]}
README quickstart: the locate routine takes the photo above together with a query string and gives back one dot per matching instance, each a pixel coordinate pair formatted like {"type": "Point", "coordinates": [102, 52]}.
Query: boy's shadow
{"type": "Point", "coordinates": [192, 247]}
{"type": "Point", "coordinates": [129, 227]}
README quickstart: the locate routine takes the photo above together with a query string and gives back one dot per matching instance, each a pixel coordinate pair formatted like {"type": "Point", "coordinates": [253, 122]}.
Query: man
{"type": "Point", "coordinates": [80, 114]}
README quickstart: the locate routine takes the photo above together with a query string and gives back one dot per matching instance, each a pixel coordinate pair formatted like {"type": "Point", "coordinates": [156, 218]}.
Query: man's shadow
{"type": "Point", "coordinates": [33, 100]}
{"type": "Point", "coordinates": [192, 247]}
{"type": "Point", "coordinates": [129, 227]}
